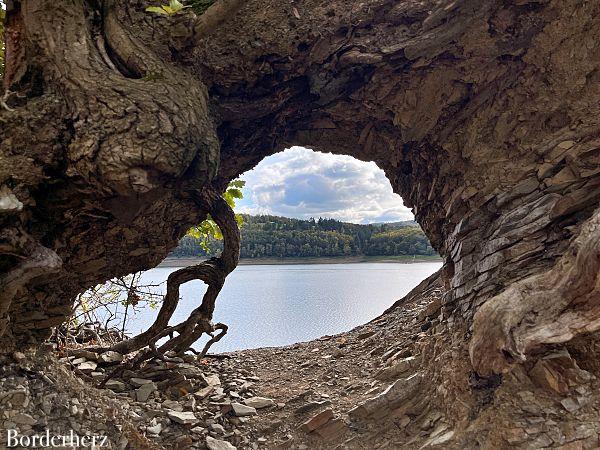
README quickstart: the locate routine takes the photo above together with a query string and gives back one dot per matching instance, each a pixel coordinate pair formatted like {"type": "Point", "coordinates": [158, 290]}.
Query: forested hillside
{"type": "Point", "coordinates": [280, 237]}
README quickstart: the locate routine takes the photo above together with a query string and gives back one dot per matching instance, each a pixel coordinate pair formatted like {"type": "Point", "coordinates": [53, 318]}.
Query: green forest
{"type": "Point", "coordinates": [281, 237]}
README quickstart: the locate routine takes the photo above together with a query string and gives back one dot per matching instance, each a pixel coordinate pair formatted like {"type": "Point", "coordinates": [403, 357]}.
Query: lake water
{"type": "Point", "coordinates": [275, 305]}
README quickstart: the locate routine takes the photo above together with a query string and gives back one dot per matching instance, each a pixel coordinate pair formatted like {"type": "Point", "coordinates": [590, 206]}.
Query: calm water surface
{"type": "Point", "coordinates": [275, 305]}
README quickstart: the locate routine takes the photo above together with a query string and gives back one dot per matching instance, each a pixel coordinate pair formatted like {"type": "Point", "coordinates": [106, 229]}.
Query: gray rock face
{"type": "Point", "coordinates": [173, 405]}
{"type": "Point", "coordinates": [156, 429]}
{"type": "Point", "coordinates": [137, 382]}
{"type": "Point", "coordinates": [218, 428]}
{"type": "Point", "coordinates": [8, 201]}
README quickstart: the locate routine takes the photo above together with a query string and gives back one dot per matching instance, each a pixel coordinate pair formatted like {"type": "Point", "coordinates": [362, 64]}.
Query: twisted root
{"type": "Point", "coordinates": [212, 272]}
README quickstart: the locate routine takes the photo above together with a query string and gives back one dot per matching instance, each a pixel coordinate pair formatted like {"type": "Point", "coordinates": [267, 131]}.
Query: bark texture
{"type": "Point", "coordinates": [484, 116]}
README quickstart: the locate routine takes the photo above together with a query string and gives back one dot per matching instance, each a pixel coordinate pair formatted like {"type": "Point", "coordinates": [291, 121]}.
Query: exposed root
{"type": "Point", "coordinates": [213, 273]}
{"type": "Point", "coordinates": [215, 338]}
{"type": "Point", "coordinates": [4, 100]}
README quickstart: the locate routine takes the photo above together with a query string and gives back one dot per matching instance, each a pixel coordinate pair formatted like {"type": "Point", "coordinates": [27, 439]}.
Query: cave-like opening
{"type": "Point", "coordinates": [326, 246]}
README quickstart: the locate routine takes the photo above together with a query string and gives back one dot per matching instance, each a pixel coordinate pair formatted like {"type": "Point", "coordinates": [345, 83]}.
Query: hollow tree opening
{"type": "Point", "coordinates": [307, 218]}
{"type": "Point", "coordinates": [483, 114]}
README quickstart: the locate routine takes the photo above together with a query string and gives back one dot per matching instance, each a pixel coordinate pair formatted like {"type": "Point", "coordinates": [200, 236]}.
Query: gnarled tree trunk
{"type": "Point", "coordinates": [484, 115]}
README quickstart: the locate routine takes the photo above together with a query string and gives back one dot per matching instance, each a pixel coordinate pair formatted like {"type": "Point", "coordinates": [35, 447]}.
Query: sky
{"type": "Point", "coordinates": [302, 183]}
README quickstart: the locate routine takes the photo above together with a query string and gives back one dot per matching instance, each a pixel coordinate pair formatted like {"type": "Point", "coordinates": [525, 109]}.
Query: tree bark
{"type": "Point", "coordinates": [483, 114]}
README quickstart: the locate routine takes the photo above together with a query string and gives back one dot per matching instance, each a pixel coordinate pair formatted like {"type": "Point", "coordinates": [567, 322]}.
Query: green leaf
{"type": "Point", "coordinates": [239, 219]}
{"type": "Point", "coordinates": [157, 10]}
{"type": "Point", "coordinates": [176, 5]}
{"type": "Point", "coordinates": [237, 184]}
{"type": "Point", "coordinates": [235, 193]}
{"type": "Point", "coordinates": [209, 230]}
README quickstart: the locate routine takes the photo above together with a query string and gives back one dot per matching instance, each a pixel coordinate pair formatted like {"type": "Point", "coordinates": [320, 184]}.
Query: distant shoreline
{"type": "Point", "coordinates": [180, 262]}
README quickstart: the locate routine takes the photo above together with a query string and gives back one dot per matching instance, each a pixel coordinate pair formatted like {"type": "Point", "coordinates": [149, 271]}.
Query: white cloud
{"type": "Point", "coordinates": [301, 183]}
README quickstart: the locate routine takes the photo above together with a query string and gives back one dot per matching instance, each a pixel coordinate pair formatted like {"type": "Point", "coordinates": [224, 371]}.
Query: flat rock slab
{"type": "Point", "coordinates": [137, 382]}
{"type": "Point", "coordinates": [172, 405]}
{"type": "Point", "coordinates": [401, 391]}
{"type": "Point", "coordinates": [242, 410]}
{"type": "Point", "coordinates": [155, 430]}
{"type": "Point", "coordinates": [116, 385]}
{"type": "Point", "coordinates": [88, 366]}
{"type": "Point", "coordinates": [311, 406]}
{"type": "Point", "coordinates": [204, 392]}
{"type": "Point", "coordinates": [17, 398]}
{"type": "Point", "coordinates": [110, 357]}
{"type": "Point", "coordinates": [184, 418]}
{"type": "Point", "coordinates": [399, 368]}
{"type": "Point", "coordinates": [212, 380]}
{"type": "Point", "coordinates": [83, 353]}
{"type": "Point", "coordinates": [331, 430]}
{"type": "Point", "coordinates": [216, 444]}
{"type": "Point", "coordinates": [143, 392]}
{"type": "Point", "coordinates": [23, 419]}
{"type": "Point", "coordinates": [259, 402]}
{"type": "Point", "coordinates": [317, 421]}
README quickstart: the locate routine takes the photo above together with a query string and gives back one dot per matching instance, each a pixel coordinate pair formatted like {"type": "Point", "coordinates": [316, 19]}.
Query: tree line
{"type": "Point", "coordinates": [281, 237]}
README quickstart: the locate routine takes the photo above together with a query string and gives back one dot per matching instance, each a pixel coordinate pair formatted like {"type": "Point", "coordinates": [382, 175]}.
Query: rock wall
{"type": "Point", "coordinates": [488, 130]}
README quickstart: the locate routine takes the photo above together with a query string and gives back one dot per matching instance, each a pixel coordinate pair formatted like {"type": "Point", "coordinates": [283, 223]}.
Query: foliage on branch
{"type": "Point", "coordinates": [101, 314]}
{"type": "Point", "coordinates": [208, 230]}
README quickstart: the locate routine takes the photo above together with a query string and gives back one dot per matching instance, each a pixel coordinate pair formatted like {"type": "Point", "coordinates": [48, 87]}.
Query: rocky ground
{"type": "Point", "coordinates": [368, 388]}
